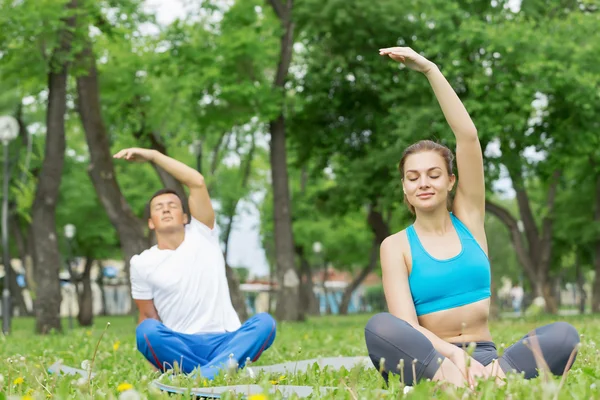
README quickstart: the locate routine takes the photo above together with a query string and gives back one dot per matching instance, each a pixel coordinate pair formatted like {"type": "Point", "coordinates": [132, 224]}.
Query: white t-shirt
{"type": "Point", "coordinates": [188, 285]}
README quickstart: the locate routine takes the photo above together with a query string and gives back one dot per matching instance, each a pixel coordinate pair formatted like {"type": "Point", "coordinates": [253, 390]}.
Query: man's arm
{"type": "Point", "coordinates": [199, 200]}
{"type": "Point", "coordinates": [147, 310]}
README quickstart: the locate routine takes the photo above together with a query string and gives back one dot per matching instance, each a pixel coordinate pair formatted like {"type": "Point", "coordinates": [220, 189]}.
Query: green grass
{"type": "Point", "coordinates": [25, 357]}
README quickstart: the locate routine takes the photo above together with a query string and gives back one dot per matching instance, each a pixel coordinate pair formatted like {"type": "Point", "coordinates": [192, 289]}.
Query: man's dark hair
{"type": "Point", "coordinates": [161, 192]}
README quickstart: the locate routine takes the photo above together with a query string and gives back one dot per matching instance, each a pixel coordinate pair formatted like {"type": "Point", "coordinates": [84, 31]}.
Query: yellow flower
{"type": "Point", "coordinates": [124, 386]}
{"type": "Point", "coordinates": [273, 382]}
{"type": "Point", "coordinates": [27, 397]}
{"type": "Point", "coordinates": [282, 378]}
{"type": "Point", "coordinates": [18, 381]}
{"type": "Point", "coordinates": [116, 345]}
{"type": "Point", "coordinates": [257, 397]}
{"type": "Point", "coordinates": [89, 333]}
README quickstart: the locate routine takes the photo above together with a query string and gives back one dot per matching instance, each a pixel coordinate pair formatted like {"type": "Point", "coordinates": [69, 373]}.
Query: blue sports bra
{"type": "Point", "coordinates": [442, 284]}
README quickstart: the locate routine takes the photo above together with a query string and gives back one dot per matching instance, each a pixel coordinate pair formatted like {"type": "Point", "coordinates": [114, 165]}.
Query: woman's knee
{"type": "Point", "coordinates": [566, 341]}
{"type": "Point", "coordinates": [569, 333]}
{"type": "Point", "coordinates": [382, 326]}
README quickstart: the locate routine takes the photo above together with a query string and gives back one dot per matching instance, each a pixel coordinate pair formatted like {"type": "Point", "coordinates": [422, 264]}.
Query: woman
{"type": "Point", "coordinates": [436, 273]}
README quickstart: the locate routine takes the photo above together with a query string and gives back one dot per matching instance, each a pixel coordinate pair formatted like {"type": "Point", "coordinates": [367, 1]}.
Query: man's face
{"type": "Point", "coordinates": [166, 213]}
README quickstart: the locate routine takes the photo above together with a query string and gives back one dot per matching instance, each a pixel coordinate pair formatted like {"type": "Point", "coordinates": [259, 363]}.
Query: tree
{"type": "Point", "coordinates": [288, 297]}
{"type": "Point", "coordinates": [43, 227]}
{"type": "Point", "coordinates": [129, 227]}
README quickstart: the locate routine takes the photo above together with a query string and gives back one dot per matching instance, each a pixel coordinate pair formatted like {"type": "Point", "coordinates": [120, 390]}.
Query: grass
{"type": "Point", "coordinates": [25, 357]}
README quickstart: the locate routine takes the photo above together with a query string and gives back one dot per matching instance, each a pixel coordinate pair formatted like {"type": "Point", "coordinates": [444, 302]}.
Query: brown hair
{"type": "Point", "coordinates": [420, 147]}
{"type": "Point", "coordinates": [148, 211]}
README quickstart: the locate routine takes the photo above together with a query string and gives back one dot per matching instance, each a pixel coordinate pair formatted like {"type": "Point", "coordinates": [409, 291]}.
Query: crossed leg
{"type": "Point", "coordinates": [391, 339]}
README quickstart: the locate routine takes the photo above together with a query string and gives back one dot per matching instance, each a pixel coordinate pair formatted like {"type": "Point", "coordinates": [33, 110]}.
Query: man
{"type": "Point", "coordinates": [180, 287]}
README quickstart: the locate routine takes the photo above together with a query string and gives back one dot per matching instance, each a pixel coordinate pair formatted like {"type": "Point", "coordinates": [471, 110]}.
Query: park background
{"type": "Point", "coordinates": [297, 125]}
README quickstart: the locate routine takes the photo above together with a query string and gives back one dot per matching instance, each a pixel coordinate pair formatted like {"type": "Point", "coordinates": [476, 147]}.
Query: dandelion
{"type": "Point", "coordinates": [130, 395]}
{"type": "Point", "coordinates": [124, 386]}
{"type": "Point", "coordinates": [18, 381]}
{"type": "Point", "coordinates": [27, 397]}
{"type": "Point", "coordinates": [257, 397]}
{"type": "Point", "coordinates": [116, 345]}
{"type": "Point", "coordinates": [282, 378]}
{"type": "Point", "coordinates": [86, 365]}
{"type": "Point", "coordinates": [81, 381]}
{"type": "Point", "coordinates": [89, 333]}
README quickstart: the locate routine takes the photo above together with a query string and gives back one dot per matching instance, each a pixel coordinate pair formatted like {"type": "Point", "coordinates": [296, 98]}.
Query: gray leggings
{"type": "Point", "coordinates": [394, 339]}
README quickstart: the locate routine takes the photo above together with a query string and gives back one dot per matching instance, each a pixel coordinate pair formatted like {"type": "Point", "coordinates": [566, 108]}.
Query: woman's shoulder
{"type": "Point", "coordinates": [396, 241]}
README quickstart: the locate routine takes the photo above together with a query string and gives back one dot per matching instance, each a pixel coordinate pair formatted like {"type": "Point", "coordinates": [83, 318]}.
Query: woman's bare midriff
{"type": "Point", "coordinates": [468, 323]}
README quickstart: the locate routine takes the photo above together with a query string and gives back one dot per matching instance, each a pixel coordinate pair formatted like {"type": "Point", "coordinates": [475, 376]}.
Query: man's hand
{"type": "Point", "coordinates": [136, 154]}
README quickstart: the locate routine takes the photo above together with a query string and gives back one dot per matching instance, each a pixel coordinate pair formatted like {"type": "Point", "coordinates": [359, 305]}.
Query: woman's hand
{"type": "Point", "coordinates": [408, 57]}
{"type": "Point", "coordinates": [470, 368]}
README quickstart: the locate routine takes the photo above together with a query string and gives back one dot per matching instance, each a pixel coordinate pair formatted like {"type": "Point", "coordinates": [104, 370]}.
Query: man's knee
{"type": "Point", "coordinates": [147, 330]}
{"type": "Point", "coordinates": [266, 325]}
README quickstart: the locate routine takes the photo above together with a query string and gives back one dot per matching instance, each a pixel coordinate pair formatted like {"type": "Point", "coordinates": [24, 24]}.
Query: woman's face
{"type": "Point", "coordinates": [426, 182]}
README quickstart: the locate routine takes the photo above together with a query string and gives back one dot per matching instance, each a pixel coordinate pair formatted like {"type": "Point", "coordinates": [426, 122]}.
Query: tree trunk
{"type": "Point", "coordinates": [86, 305]}
{"type": "Point", "coordinates": [307, 292]}
{"type": "Point", "coordinates": [381, 230]}
{"type": "Point", "coordinates": [46, 253]}
{"type": "Point", "coordinates": [102, 288]}
{"type": "Point", "coordinates": [21, 240]}
{"type": "Point", "coordinates": [15, 290]}
{"type": "Point", "coordinates": [596, 288]}
{"type": "Point", "coordinates": [536, 256]}
{"type": "Point", "coordinates": [101, 169]}
{"type": "Point", "coordinates": [288, 297]}
{"type": "Point", "coordinates": [358, 280]}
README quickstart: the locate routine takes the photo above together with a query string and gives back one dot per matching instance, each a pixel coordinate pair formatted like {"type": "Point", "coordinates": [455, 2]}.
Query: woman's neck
{"type": "Point", "coordinates": [436, 222]}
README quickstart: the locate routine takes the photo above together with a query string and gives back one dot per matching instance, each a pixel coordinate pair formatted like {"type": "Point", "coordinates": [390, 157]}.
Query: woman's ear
{"type": "Point", "coordinates": [452, 182]}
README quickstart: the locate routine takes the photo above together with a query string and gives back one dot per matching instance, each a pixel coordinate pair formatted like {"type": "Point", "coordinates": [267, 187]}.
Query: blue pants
{"type": "Point", "coordinates": [211, 352]}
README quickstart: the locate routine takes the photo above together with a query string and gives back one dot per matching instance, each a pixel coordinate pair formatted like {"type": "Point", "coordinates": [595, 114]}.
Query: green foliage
{"type": "Point", "coordinates": [79, 205]}
{"type": "Point", "coordinates": [375, 298]}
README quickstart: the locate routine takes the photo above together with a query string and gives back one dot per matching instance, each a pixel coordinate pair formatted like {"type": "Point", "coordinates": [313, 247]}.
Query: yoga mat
{"type": "Point", "coordinates": [245, 390]}
{"type": "Point", "coordinates": [59, 368]}
{"type": "Point", "coordinates": [292, 367]}
{"type": "Point", "coordinates": [289, 367]}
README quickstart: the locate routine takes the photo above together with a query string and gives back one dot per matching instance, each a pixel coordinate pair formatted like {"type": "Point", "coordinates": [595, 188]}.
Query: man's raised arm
{"type": "Point", "coordinates": [199, 200]}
